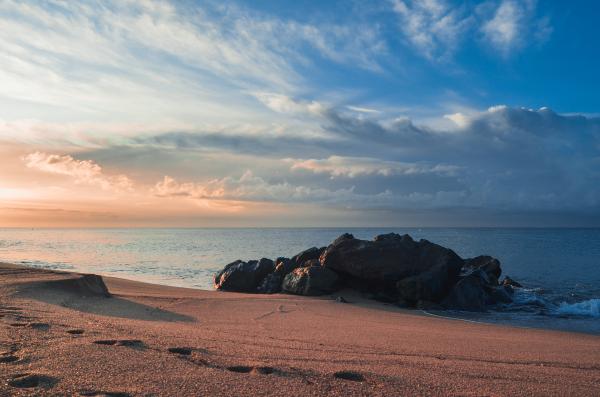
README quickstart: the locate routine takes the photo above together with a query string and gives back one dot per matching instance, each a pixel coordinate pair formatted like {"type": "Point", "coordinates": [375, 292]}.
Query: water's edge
{"type": "Point", "coordinates": [559, 267]}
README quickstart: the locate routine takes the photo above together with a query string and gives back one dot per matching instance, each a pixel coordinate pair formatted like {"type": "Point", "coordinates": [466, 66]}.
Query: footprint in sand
{"type": "Point", "coordinates": [104, 393]}
{"type": "Point", "coordinates": [108, 342]}
{"type": "Point", "coordinates": [255, 370]}
{"type": "Point", "coordinates": [40, 326]}
{"type": "Point", "coordinates": [8, 358]}
{"type": "Point", "coordinates": [349, 375]}
{"type": "Point", "coordinates": [184, 351]}
{"type": "Point", "coordinates": [133, 343]}
{"type": "Point", "coordinates": [75, 331]}
{"type": "Point", "coordinates": [28, 381]}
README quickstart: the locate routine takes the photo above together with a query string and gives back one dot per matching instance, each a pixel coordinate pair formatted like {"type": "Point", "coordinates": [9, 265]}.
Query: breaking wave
{"type": "Point", "coordinates": [589, 308]}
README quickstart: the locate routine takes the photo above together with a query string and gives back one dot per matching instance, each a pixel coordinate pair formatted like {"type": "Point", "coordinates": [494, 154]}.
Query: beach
{"type": "Point", "coordinates": [60, 336]}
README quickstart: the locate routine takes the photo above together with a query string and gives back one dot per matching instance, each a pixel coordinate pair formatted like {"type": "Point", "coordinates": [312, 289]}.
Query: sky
{"type": "Point", "coordinates": [299, 113]}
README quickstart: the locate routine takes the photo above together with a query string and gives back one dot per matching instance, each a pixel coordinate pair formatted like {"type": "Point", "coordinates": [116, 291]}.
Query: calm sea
{"type": "Point", "coordinates": [559, 267]}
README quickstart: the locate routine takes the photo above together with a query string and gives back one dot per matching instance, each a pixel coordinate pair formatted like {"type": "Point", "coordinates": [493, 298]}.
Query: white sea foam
{"type": "Point", "coordinates": [525, 296]}
{"type": "Point", "coordinates": [590, 308]}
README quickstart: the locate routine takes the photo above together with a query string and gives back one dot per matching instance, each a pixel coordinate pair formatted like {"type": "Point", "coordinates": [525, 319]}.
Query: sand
{"type": "Point", "coordinates": [151, 340]}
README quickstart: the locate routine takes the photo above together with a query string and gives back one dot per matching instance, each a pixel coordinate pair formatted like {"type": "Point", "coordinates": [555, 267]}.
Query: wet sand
{"type": "Point", "coordinates": [59, 337]}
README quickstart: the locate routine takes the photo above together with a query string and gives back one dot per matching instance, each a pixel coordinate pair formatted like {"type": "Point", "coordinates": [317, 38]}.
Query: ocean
{"type": "Point", "coordinates": [559, 268]}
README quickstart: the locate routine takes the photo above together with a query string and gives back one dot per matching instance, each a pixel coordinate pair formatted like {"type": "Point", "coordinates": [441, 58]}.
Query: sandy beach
{"type": "Point", "coordinates": [60, 336]}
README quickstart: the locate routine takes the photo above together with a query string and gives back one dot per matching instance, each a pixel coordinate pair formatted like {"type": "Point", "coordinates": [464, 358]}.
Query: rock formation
{"type": "Point", "coordinates": [391, 267]}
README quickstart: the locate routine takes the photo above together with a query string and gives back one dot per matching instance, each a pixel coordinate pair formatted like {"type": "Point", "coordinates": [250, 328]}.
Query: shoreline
{"type": "Point", "coordinates": [514, 322]}
{"type": "Point", "coordinates": [248, 344]}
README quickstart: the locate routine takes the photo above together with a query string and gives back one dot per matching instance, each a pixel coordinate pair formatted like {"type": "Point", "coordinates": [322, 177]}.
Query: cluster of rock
{"type": "Point", "coordinates": [392, 268]}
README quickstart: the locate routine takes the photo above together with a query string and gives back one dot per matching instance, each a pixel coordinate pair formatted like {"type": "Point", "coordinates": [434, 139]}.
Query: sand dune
{"type": "Point", "coordinates": [60, 335]}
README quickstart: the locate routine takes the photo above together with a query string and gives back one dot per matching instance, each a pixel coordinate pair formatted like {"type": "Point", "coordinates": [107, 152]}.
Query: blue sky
{"type": "Point", "coordinates": [206, 113]}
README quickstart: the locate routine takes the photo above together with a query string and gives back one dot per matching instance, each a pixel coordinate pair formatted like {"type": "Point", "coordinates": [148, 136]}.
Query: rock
{"type": "Point", "coordinates": [387, 236]}
{"type": "Point", "coordinates": [404, 304]}
{"type": "Point", "coordinates": [392, 268]}
{"type": "Point", "coordinates": [311, 262]}
{"type": "Point", "coordinates": [307, 255]}
{"type": "Point", "coordinates": [340, 299]}
{"type": "Point", "coordinates": [467, 294]}
{"type": "Point", "coordinates": [217, 277]}
{"type": "Point", "coordinates": [243, 276]}
{"type": "Point", "coordinates": [285, 266]}
{"type": "Point", "coordinates": [313, 280]}
{"type": "Point", "coordinates": [390, 258]}
{"type": "Point", "coordinates": [486, 263]}
{"type": "Point", "coordinates": [428, 305]}
{"type": "Point", "coordinates": [271, 284]}
{"type": "Point", "coordinates": [266, 264]}
{"type": "Point", "coordinates": [510, 282]}
{"type": "Point", "coordinates": [432, 285]}
{"type": "Point", "coordinates": [500, 294]}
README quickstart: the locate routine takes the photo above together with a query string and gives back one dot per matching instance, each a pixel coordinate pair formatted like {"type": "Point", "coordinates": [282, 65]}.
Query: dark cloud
{"type": "Point", "coordinates": [500, 159]}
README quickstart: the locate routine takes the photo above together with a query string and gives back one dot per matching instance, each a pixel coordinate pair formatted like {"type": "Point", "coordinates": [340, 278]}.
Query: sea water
{"type": "Point", "coordinates": [559, 268]}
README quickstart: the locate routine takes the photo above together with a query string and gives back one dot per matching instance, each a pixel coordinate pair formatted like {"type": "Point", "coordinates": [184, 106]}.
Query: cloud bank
{"type": "Point", "coordinates": [503, 158]}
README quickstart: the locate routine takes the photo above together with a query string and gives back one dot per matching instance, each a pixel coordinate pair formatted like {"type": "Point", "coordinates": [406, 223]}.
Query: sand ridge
{"type": "Point", "coordinates": [150, 340]}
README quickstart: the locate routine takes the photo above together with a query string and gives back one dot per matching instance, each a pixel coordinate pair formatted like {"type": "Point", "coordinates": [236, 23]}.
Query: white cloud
{"type": "Point", "coordinates": [437, 28]}
{"type": "Point", "coordinates": [248, 187]}
{"type": "Point", "coordinates": [284, 104]}
{"type": "Point", "coordinates": [350, 167]}
{"type": "Point", "coordinates": [363, 109]}
{"type": "Point", "coordinates": [513, 24]}
{"type": "Point", "coordinates": [82, 171]}
{"type": "Point", "coordinates": [503, 30]}
{"type": "Point", "coordinates": [161, 61]}
{"type": "Point", "coordinates": [432, 26]}
{"type": "Point", "coordinates": [460, 119]}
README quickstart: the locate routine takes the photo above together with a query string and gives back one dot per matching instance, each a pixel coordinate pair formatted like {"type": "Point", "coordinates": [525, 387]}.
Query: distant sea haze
{"type": "Point", "coordinates": [560, 268]}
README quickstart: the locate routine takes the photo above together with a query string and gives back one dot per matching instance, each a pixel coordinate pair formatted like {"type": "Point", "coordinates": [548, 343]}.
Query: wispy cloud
{"type": "Point", "coordinates": [437, 28]}
{"type": "Point", "coordinates": [161, 61]}
{"type": "Point", "coordinates": [514, 25]}
{"type": "Point", "coordinates": [350, 167]}
{"type": "Point", "coordinates": [433, 27]}
{"type": "Point", "coordinates": [81, 171]}
{"type": "Point", "coordinates": [285, 104]}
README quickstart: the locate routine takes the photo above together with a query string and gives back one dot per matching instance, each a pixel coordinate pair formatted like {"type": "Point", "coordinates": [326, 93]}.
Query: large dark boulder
{"type": "Point", "coordinates": [284, 266]}
{"type": "Point", "coordinates": [313, 280]}
{"type": "Point", "coordinates": [490, 265]}
{"type": "Point", "coordinates": [307, 255]}
{"type": "Point", "coordinates": [243, 276]}
{"type": "Point", "coordinates": [271, 284]}
{"type": "Point", "coordinates": [311, 262]}
{"type": "Point", "coordinates": [500, 294]}
{"type": "Point", "coordinates": [468, 294]}
{"type": "Point", "coordinates": [431, 285]}
{"type": "Point", "coordinates": [390, 258]}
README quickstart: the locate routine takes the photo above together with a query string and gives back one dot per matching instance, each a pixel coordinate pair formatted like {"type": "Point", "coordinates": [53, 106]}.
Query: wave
{"type": "Point", "coordinates": [526, 296]}
{"type": "Point", "coordinates": [588, 308]}
{"type": "Point", "coordinates": [532, 300]}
